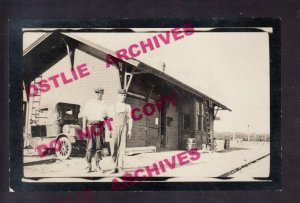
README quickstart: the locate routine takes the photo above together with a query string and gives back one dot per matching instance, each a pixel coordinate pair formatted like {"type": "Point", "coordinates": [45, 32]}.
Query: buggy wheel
{"type": "Point", "coordinates": [63, 148]}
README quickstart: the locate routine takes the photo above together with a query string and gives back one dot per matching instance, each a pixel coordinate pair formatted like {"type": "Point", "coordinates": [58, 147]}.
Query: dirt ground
{"type": "Point", "coordinates": [210, 165]}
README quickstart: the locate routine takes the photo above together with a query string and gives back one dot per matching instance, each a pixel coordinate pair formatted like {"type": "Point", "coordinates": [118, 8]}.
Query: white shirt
{"type": "Point", "coordinates": [94, 110]}
{"type": "Point", "coordinates": [119, 107]}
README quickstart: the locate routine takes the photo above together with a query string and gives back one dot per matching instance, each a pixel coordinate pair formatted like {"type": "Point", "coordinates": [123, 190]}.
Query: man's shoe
{"type": "Point", "coordinates": [88, 169]}
{"type": "Point", "coordinates": [120, 170]}
{"type": "Point", "coordinates": [98, 169]}
{"type": "Point", "coordinates": [114, 171]}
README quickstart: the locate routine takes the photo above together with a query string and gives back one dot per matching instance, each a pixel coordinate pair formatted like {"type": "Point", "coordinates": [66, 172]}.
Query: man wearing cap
{"type": "Point", "coordinates": [94, 114]}
{"type": "Point", "coordinates": [121, 125]}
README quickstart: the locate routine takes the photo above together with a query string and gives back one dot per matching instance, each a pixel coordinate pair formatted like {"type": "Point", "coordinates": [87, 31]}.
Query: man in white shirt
{"type": "Point", "coordinates": [94, 114]}
{"type": "Point", "coordinates": [120, 112]}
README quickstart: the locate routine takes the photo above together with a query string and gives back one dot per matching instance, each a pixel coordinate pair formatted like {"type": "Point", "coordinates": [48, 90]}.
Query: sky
{"type": "Point", "coordinates": [232, 68]}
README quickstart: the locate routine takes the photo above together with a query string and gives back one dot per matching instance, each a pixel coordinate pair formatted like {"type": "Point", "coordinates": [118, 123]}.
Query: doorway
{"type": "Point", "coordinates": [153, 128]}
{"type": "Point", "coordinates": [163, 131]}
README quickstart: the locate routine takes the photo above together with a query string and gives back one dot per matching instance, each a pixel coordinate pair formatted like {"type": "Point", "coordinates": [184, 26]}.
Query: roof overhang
{"type": "Point", "coordinates": [52, 47]}
{"type": "Point", "coordinates": [162, 75]}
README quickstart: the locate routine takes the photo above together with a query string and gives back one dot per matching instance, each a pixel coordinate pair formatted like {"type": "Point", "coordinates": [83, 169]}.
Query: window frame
{"type": "Point", "coordinates": [199, 119]}
{"type": "Point", "coordinates": [184, 120]}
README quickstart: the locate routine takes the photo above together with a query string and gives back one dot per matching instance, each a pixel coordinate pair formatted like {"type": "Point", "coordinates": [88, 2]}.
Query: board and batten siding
{"type": "Point", "coordinates": [138, 137]}
{"type": "Point", "coordinates": [81, 90]}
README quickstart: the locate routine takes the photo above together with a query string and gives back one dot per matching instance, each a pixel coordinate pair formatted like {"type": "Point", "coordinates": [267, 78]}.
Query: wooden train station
{"type": "Point", "coordinates": [166, 129]}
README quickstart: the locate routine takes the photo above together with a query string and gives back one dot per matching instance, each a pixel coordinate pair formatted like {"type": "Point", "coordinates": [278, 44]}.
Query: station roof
{"type": "Point", "coordinates": [52, 47]}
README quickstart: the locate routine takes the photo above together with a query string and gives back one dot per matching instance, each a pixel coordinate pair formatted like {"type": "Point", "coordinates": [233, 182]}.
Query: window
{"type": "Point", "coordinates": [186, 121]}
{"type": "Point", "coordinates": [199, 115]}
{"type": "Point", "coordinates": [202, 116]}
{"type": "Point", "coordinates": [169, 121]}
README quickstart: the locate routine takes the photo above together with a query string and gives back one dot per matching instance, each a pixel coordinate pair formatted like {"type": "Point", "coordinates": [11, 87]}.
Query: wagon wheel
{"type": "Point", "coordinates": [63, 148]}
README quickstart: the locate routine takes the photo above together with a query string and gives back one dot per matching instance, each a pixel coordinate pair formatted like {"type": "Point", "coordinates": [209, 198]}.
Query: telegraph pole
{"type": "Point", "coordinates": [248, 134]}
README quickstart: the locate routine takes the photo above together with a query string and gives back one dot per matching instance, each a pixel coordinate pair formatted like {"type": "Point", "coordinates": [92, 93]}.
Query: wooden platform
{"type": "Point", "coordinates": [139, 150]}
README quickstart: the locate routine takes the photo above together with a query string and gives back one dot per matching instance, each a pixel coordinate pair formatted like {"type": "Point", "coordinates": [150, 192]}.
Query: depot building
{"type": "Point", "coordinates": [178, 111]}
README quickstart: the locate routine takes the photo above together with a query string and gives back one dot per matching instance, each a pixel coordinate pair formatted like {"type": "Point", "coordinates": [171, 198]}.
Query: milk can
{"type": "Point", "coordinates": [191, 143]}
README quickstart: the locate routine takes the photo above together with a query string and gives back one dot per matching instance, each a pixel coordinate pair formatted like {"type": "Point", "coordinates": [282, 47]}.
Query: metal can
{"type": "Point", "coordinates": [226, 144]}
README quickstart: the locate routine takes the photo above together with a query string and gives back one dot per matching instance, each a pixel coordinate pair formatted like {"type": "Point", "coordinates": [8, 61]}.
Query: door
{"type": "Point", "coordinates": [163, 129]}
{"type": "Point", "coordinates": [172, 139]}
{"type": "Point", "coordinates": [153, 128]}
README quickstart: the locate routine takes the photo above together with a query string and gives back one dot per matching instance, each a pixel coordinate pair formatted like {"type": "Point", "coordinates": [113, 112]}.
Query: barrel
{"type": "Point", "coordinates": [191, 143]}
{"type": "Point", "coordinates": [226, 144]}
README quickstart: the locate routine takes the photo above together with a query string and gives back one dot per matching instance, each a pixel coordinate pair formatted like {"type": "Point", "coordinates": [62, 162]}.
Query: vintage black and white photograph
{"type": "Point", "coordinates": [130, 105]}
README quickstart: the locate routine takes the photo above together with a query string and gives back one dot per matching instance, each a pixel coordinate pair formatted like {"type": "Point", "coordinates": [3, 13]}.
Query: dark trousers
{"type": "Point", "coordinates": [94, 143]}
